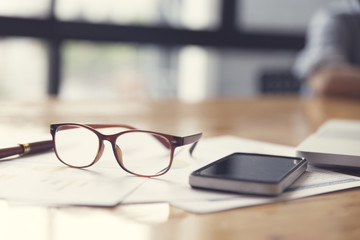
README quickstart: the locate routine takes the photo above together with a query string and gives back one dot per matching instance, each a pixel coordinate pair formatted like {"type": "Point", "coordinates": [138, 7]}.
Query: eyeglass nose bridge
{"type": "Point", "coordinates": [101, 150]}
{"type": "Point", "coordinates": [118, 155]}
{"type": "Point", "coordinates": [102, 138]}
{"type": "Point", "coordinates": [116, 149]}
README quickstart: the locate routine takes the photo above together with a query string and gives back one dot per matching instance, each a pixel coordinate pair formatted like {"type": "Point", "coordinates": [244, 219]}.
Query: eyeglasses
{"type": "Point", "coordinates": [139, 152]}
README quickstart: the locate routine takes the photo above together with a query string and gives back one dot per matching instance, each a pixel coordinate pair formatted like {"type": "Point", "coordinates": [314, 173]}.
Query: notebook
{"type": "Point", "coordinates": [335, 143]}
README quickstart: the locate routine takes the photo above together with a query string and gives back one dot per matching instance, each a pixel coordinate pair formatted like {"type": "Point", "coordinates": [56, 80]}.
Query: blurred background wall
{"type": "Point", "coordinates": [183, 49]}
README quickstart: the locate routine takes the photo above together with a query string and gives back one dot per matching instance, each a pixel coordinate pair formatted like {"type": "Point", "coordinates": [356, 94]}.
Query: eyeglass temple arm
{"type": "Point", "coordinates": [181, 141]}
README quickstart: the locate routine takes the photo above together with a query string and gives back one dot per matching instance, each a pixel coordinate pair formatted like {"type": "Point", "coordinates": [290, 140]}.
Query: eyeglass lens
{"type": "Point", "coordinates": [77, 147]}
{"type": "Point", "coordinates": [143, 153]}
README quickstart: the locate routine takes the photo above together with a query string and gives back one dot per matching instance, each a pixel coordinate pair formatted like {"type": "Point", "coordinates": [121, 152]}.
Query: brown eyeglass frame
{"type": "Point", "coordinates": [168, 141]}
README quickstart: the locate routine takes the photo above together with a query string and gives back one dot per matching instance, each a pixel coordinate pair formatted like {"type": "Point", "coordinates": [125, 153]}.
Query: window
{"type": "Point", "coordinates": [23, 68]}
{"type": "Point", "coordinates": [28, 8]}
{"type": "Point", "coordinates": [277, 15]}
{"type": "Point", "coordinates": [199, 14]}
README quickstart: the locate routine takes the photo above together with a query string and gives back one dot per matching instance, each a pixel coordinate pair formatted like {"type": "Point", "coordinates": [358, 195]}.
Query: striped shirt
{"type": "Point", "coordinates": [333, 37]}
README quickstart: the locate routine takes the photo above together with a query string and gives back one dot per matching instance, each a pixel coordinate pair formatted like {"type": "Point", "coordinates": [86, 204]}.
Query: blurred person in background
{"type": "Point", "coordinates": [330, 61]}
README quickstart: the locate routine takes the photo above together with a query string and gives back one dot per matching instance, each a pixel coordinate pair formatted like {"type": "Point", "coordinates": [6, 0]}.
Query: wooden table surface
{"type": "Point", "coordinates": [277, 119]}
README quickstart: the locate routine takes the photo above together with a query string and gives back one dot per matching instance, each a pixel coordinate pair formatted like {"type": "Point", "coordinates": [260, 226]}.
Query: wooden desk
{"type": "Point", "coordinates": [285, 120]}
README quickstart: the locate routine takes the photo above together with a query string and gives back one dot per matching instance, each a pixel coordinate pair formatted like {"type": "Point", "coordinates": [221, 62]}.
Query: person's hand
{"type": "Point", "coordinates": [338, 80]}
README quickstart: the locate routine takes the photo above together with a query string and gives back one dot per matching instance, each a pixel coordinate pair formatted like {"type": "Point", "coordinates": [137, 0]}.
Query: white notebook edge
{"type": "Point", "coordinates": [339, 151]}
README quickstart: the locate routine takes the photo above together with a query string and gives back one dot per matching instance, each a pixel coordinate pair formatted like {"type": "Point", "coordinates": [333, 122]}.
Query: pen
{"type": "Point", "coordinates": [27, 148]}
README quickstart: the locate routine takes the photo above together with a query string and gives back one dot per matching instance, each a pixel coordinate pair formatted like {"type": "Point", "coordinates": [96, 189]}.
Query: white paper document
{"type": "Point", "coordinates": [43, 179]}
{"type": "Point", "coordinates": [54, 183]}
{"type": "Point", "coordinates": [313, 182]}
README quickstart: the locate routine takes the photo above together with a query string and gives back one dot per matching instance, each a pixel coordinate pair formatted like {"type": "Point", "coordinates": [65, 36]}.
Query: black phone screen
{"type": "Point", "coordinates": [251, 167]}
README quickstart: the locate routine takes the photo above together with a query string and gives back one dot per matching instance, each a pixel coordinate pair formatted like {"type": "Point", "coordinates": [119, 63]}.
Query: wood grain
{"type": "Point", "coordinates": [278, 119]}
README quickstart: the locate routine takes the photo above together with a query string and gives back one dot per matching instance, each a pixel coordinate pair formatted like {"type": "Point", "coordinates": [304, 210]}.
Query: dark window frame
{"type": "Point", "coordinates": [226, 35]}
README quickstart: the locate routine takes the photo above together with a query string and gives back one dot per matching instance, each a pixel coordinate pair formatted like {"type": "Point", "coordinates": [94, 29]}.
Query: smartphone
{"type": "Point", "coordinates": [249, 173]}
